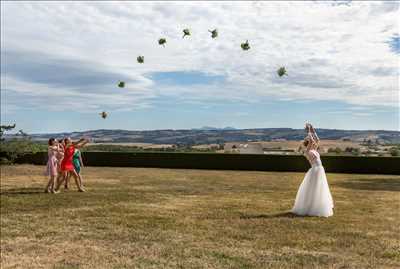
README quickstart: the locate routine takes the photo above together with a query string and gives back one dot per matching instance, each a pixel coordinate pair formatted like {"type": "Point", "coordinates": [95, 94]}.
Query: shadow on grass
{"type": "Point", "coordinates": [22, 191]}
{"type": "Point", "coordinates": [371, 184]}
{"type": "Point", "coordinates": [272, 216]}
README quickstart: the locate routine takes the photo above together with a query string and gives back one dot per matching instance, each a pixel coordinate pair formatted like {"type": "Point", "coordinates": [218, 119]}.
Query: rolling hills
{"type": "Point", "coordinates": [211, 135]}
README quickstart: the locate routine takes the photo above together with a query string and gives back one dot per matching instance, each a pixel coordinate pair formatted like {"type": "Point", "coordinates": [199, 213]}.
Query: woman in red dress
{"type": "Point", "coordinates": [67, 166]}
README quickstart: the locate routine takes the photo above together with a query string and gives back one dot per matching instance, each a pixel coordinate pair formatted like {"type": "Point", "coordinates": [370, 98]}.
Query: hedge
{"type": "Point", "coordinates": [287, 163]}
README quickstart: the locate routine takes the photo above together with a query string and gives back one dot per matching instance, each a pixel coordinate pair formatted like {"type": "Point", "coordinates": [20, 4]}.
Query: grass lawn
{"type": "Point", "coordinates": [164, 218]}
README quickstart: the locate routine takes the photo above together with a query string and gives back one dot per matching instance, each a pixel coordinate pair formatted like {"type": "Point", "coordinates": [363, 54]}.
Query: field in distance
{"type": "Point", "coordinates": [139, 145]}
{"type": "Point", "coordinates": [265, 144]}
{"type": "Point", "coordinates": [261, 147]}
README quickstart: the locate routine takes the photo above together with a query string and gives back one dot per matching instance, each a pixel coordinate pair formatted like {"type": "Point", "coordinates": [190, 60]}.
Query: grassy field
{"type": "Point", "coordinates": [163, 218]}
{"type": "Point", "coordinates": [325, 144]}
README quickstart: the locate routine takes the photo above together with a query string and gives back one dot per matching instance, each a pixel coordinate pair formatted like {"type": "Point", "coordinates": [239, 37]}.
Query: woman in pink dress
{"type": "Point", "coordinates": [54, 151]}
{"type": "Point", "coordinates": [67, 166]}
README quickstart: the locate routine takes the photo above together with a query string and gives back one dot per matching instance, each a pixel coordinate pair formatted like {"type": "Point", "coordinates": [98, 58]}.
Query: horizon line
{"type": "Point", "coordinates": [14, 132]}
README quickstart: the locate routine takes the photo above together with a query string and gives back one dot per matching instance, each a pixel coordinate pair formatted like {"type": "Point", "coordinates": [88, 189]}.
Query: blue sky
{"type": "Point", "coordinates": [394, 44]}
{"type": "Point", "coordinates": [60, 67]}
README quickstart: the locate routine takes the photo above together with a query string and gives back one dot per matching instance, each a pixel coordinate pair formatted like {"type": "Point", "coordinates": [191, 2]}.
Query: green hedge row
{"type": "Point", "coordinates": [289, 163]}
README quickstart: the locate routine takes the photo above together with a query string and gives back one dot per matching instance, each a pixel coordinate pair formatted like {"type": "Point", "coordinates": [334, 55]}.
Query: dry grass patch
{"type": "Point", "coordinates": [165, 218]}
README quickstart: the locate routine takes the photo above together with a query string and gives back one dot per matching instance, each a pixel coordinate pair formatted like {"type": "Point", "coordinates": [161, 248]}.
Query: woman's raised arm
{"type": "Point", "coordinates": [314, 134]}
{"type": "Point", "coordinates": [76, 143]}
{"type": "Point", "coordinates": [81, 143]}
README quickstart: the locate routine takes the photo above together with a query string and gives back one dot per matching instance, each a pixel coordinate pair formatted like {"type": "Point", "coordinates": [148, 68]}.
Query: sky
{"type": "Point", "coordinates": [61, 63]}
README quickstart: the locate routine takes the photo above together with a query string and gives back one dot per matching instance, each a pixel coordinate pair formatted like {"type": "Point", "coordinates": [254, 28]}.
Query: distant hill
{"type": "Point", "coordinates": [208, 128]}
{"type": "Point", "coordinates": [206, 135]}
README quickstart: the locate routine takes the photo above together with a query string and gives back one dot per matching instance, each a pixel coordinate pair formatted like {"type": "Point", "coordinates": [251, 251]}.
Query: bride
{"type": "Point", "coordinates": [313, 197]}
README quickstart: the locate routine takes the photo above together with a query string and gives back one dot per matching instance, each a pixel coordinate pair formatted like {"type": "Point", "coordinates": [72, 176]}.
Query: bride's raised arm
{"type": "Point", "coordinates": [314, 134]}
{"type": "Point", "coordinates": [311, 137]}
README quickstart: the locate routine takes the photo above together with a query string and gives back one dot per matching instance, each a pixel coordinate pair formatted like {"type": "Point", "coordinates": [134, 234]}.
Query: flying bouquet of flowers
{"type": "Point", "coordinates": [140, 59]}
{"type": "Point", "coordinates": [245, 46]}
{"type": "Point", "coordinates": [103, 114]}
{"type": "Point", "coordinates": [162, 41]}
{"type": "Point", "coordinates": [186, 32]}
{"type": "Point", "coordinates": [214, 33]}
{"type": "Point", "coordinates": [282, 71]}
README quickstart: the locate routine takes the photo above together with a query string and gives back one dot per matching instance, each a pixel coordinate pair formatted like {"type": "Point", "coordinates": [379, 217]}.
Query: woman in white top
{"type": "Point", "coordinates": [313, 197]}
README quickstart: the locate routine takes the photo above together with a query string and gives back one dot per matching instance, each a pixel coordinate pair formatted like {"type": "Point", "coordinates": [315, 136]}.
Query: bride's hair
{"type": "Point", "coordinates": [306, 142]}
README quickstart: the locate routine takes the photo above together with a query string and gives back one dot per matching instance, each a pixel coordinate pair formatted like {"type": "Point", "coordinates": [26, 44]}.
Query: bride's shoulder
{"type": "Point", "coordinates": [307, 153]}
{"type": "Point", "coordinates": [312, 152]}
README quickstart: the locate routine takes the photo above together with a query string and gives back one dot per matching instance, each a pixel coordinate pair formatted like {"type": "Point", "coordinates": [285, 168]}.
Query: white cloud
{"type": "Point", "coordinates": [332, 52]}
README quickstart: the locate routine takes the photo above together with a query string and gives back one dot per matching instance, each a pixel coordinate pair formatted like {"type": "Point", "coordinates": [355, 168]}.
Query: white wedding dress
{"type": "Point", "coordinates": [314, 197]}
